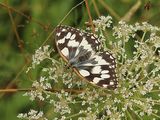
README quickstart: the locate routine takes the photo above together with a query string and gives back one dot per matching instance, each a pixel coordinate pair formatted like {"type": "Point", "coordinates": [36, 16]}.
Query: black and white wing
{"type": "Point", "coordinates": [80, 49]}
{"type": "Point", "coordinates": [100, 70]}
{"type": "Point", "coordinates": [69, 39]}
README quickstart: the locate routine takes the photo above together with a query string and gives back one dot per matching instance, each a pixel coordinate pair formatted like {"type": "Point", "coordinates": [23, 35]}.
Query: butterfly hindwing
{"type": "Point", "coordinates": [80, 50]}
{"type": "Point", "coordinates": [100, 71]}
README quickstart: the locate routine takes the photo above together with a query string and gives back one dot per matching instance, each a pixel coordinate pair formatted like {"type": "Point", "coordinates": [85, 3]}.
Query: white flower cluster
{"type": "Point", "coordinates": [146, 27]}
{"type": "Point", "coordinates": [139, 73]}
{"type": "Point", "coordinates": [41, 54]}
{"type": "Point", "coordinates": [123, 31]}
{"type": "Point", "coordinates": [38, 88]}
{"type": "Point", "coordinates": [32, 115]}
{"type": "Point", "coordinates": [148, 87]}
{"type": "Point", "coordinates": [102, 23]}
{"type": "Point", "coordinates": [61, 106]}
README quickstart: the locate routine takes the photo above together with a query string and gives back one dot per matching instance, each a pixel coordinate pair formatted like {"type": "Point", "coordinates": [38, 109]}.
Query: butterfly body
{"type": "Point", "coordinates": [81, 51]}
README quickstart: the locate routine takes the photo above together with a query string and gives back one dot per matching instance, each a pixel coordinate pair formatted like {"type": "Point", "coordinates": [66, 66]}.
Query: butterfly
{"type": "Point", "coordinates": [81, 50]}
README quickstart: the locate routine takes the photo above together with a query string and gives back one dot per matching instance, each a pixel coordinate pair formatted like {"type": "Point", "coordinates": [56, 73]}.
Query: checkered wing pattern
{"type": "Point", "coordinates": [80, 50]}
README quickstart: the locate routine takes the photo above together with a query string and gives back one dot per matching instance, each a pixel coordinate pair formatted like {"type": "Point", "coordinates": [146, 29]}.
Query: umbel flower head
{"type": "Point", "coordinates": [137, 51]}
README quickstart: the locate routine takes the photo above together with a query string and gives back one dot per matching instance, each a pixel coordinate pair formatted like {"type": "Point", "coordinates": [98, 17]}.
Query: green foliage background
{"type": "Point", "coordinates": [26, 24]}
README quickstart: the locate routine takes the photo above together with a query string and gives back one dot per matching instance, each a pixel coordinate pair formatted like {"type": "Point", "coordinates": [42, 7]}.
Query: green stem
{"type": "Point", "coordinates": [129, 115]}
{"type": "Point", "coordinates": [74, 115]}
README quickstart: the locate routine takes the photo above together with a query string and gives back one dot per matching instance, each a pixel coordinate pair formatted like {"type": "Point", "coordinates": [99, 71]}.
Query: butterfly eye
{"type": "Point", "coordinates": [81, 51]}
{"type": "Point", "coordinates": [67, 66]}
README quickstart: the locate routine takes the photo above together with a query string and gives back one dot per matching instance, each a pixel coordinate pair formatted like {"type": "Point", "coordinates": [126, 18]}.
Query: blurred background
{"type": "Point", "coordinates": [26, 24]}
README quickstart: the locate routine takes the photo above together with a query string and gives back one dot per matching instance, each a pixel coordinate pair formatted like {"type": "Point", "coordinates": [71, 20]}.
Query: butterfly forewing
{"type": "Point", "coordinates": [80, 50]}
{"type": "Point", "coordinates": [68, 39]}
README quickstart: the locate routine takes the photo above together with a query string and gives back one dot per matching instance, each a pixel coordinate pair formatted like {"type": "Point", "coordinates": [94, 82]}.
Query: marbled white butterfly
{"type": "Point", "coordinates": [81, 51]}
